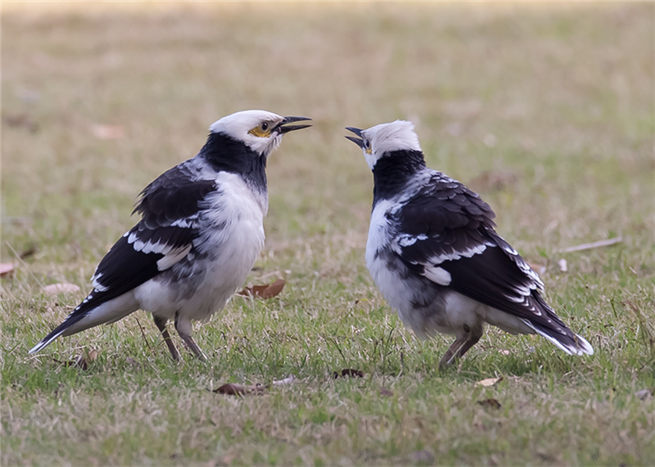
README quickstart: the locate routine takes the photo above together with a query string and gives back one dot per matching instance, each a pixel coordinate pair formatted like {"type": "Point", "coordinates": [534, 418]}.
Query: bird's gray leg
{"type": "Point", "coordinates": [474, 336]}
{"type": "Point", "coordinates": [161, 324]}
{"type": "Point", "coordinates": [183, 328]}
{"type": "Point", "coordinates": [452, 352]}
{"type": "Point", "coordinates": [461, 345]}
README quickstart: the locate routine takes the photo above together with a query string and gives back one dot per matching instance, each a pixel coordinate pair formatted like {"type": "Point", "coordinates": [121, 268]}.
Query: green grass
{"type": "Point", "coordinates": [558, 99]}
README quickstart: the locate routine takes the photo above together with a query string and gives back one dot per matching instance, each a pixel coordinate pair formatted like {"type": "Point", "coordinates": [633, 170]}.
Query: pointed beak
{"type": "Point", "coordinates": [283, 126]}
{"type": "Point", "coordinates": [358, 141]}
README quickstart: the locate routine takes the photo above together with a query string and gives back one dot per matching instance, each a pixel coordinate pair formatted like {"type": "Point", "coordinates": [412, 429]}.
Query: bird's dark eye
{"type": "Point", "coordinates": [367, 144]}
{"type": "Point", "coordinates": [263, 130]}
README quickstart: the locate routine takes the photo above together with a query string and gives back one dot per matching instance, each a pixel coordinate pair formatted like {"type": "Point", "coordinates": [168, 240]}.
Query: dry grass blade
{"type": "Point", "coordinates": [646, 328]}
{"type": "Point", "coordinates": [591, 245]}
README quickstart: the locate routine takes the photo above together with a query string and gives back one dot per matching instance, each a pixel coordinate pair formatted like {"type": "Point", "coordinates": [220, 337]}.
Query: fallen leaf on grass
{"type": "Point", "coordinates": [490, 403]}
{"type": "Point", "coordinates": [487, 382]}
{"type": "Point", "coordinates": [92, 355]}
{"type": "Point", "coordinates": [64, 287]}
{"type": "Point", "coordinates": [348, 372]}
{"type": "Point", "coordinates": [28, 252]}
{"type": "Point", "coordinates": [386, 392]}
{"type": "Point", "coordinates": [102, 131]}
{"type": "Point", "coordinates": [235, 389]}
{"type": "Point", "coordinates": [21, 120]}
{"type": "Point", "coordinates": [264, 291]}
{"type": "Point", "coordinates": [6, 268]}
{"type": "Point", "coordinates": [644, 394]}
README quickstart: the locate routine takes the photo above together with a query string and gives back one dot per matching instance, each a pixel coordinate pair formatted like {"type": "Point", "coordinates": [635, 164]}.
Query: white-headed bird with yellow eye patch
{"type": "Point", "coordinates": [200, 232]}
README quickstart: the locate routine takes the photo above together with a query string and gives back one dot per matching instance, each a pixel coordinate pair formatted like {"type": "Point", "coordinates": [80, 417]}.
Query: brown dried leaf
{"type": "Point", "coordinates": [92, 356]}
{"type": "Point", "coordinates": [6, 268]}
{"type": "Point", "coordinates": [64, 287]}
{"type": "Point", "coordinates": [264, 291]}
{"type": "Point", "coordinates": [102, 131]}
{"type": "Point", "coordinates": [21, 120]}
{"type": "Point", "coordinates": [490, 403]}
{"type": "Point", "coordinates": [235, 389]}
{"type": "Point", "coordinates": [29, 251]}
{"type": "Point", "coordinates": [348, 372]}
{"type": "Point", "coordinates": [386, 392]}
{"type": "Point", "coordinates": [487, 382]}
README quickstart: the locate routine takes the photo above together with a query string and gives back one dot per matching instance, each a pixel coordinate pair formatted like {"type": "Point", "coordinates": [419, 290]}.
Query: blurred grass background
{"type": "Point", "coordinates": [547, 110]}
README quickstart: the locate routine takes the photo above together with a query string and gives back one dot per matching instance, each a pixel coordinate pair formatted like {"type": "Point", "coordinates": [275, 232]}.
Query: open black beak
{"type": "Point", "coordinates": [284, 128]}
{"type": "Point", "coordinates": [358, 141]}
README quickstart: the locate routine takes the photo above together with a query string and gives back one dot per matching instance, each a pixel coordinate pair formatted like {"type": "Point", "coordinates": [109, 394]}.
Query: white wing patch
{"type": "Point", "coordinates": [437, 275]}
{"type": "Point", "coordinates": [455, 255]}
{"type": "Point", "coordinates": [95, 281]}
{"type": "Point", "coordinates": [172, 257]}
{"type": "Point", "coordinates": [185, 222]}
{"type": "Point", "coordinates": [405, 240]}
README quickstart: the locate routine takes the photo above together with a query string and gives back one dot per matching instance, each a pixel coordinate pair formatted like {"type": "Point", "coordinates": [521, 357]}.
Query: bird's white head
{"type": "Point", "coordinates": [385, 138]}
{"type": "Point", "coordinates": [260, 130]}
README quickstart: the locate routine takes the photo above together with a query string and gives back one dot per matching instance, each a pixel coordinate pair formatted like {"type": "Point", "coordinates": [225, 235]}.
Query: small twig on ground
{"type": "Point", "coordinates": [589, 246]}
{"type": "Point", "coordinates": [144, 335]}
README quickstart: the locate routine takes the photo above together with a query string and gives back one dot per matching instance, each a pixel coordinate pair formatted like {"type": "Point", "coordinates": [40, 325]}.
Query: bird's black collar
{"type": "Point", "coordinates": [393, 170]}
{"type": "Point", "coordinates": [224, 153]}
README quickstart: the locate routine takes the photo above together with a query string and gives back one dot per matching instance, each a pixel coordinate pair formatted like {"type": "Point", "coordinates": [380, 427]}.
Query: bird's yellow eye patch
{"type": "Point", "coordinates": [263, 130]}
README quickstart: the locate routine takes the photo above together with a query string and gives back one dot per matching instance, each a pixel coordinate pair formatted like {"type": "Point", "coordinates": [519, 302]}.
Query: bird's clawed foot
{"type": "Point", "coordinates": [461, 345]}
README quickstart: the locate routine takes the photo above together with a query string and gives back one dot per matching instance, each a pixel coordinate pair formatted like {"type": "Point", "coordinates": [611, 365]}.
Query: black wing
{"type": "Point", "coordinates": [446, 233]}
{"type": "Point", "coordinates": [164, 236]}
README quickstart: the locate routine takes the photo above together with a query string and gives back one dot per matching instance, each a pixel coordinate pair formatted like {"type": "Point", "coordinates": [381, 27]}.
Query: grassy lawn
{"type": "Point", "coordinates": [548, 112]}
